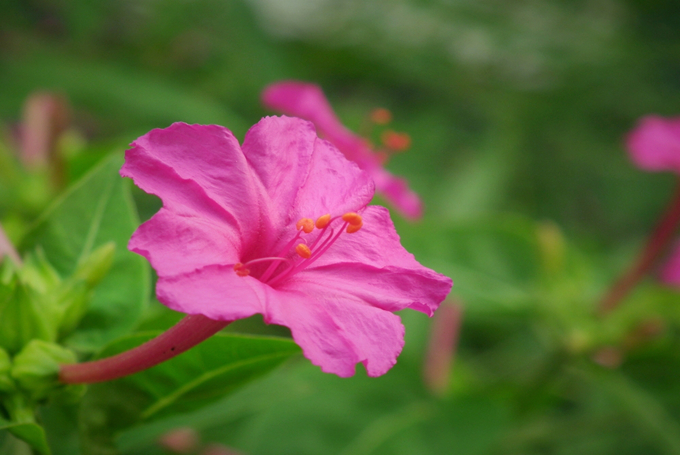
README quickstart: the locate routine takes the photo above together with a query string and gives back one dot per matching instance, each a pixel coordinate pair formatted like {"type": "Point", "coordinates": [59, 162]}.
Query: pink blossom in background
{"type": "Point", "coordinates": [307, 101]}
{"type": "Point", "coordinates": [670, 271]}
{"type": "Point", "coordinates": [180, 440]}
{"type": "Point", "coordinates": [278, 226]}
{"type": "Point", "coordinates": [7, 248]}
{"type": "Point", "coordinates": [654, 144]}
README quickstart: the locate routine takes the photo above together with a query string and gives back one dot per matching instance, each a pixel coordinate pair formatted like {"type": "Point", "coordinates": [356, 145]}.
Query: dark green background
{"type": "Point", "coordinates": [517, 112]}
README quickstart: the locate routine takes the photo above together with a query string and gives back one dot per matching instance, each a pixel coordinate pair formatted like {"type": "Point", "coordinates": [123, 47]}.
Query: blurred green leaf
{"type": "Point", "coordinates": [495, 261]}
{"type": "Point", "coordinates": [138, 99]}
{"type": "Point", "coordinates": [189, 381]}
{"type": "Point", "coordinates": [32, 433]}
{"type": "Point", "coordinates": [95, 211]}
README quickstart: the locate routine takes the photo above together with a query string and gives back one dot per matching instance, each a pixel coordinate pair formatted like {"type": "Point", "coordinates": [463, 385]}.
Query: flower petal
{"type": "Point", "coordinates": [336, 332]}
{"type": "Point", "coordinates": [216, 292]}
{"type": "Point", "coordinates": [373, 265]}
{"type": "Point", "coordinates": [200, 171]}
{"type": "Point", "coordinates": [176, 244]}
{"type": "Point", "coordinates": [388, 288]}
{"type": "Point", "coordinates": [303, 175]}
{"type": "Point", "coordinates": [334, 184]}
{"type": "Point", "coordinates": [396, 190]}
{"type": "Point", "coordinates": [308, 101]}
{"type": "Point", "coordinates": [654, 144]}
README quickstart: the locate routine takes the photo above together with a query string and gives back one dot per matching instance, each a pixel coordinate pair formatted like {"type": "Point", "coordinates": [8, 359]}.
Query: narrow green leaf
{"type": "Point", "coordinates": [189, 381]}
{"type": "Point", "coordinates": [97, 210]}
{"type": "Point", "coordinates": [32, 433]}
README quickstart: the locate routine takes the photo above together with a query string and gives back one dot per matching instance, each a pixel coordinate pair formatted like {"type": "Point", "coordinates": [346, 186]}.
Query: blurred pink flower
{"type": "Point", "coordinates": [236, 236]}
{"type": "Point", "coordinates": [670, 271]}
{"type": "Point", "coordinates": [7, 248]}
{"type": "Point", "coordinates": [180, 440]}
{"type": "Point", "coordinates": [307, 101]}
{"type": "Point", "coordinates": [654, 144]}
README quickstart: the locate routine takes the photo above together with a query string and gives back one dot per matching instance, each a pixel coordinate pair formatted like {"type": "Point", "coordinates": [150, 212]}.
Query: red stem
{"type": "Point", "coordinates": [658, 240]}
{"type": "Point", "coordinates": [187, 333]}
{"type": "Point", "coordinates": [7, 249]}
{"type": "Point", "coordinates": [441, 351]}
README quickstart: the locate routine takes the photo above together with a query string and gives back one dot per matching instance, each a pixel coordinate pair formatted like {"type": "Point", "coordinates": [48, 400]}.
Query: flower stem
{"type": "Point", "coordinates": [7, 249]}
{"type": "Point", "coordinates": [658, 240]}
{"type": "Point", "coordinates": [187, 333]}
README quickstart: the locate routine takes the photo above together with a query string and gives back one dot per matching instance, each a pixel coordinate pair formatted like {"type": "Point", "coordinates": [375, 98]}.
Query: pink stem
{"type": "Point", "coordinates": [441, 351]}
{"type": "Point", "coordinates": [184, 335]}
{"type": "Point", "coordinates": [658, 240]}
{"type": "Point", "coordinates": [7, 249]}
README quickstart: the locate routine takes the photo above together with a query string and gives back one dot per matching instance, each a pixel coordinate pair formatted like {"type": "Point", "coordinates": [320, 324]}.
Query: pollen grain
{"type": "Point", "coordinates": [303, 251]}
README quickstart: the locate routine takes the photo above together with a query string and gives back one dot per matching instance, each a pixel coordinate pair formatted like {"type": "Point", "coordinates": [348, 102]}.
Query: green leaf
{"type": "Point", "coordinates": [495, 262]}
{"type": "Point", "coordinates": [31, 433]}
{"type": "Point", "coordinates": [187, 382]}
{"type": "Point", "coordinates": [97, 210]}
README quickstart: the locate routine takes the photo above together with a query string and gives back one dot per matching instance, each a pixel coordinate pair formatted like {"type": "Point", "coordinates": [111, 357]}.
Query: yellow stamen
{"type": "Point", "coordinates": [323, 221]}
{"type": "Point", "coordinates": [306, 224]}
{"type": "Point", "coordinates": [303, 250]}
{"type": "Point", "coordinates": [352, 228]}
{"type": "Point", "coordinates": [241, 269]}
{"type": "Point", "coordinates": [354, 219]}
{"type": "Point", "coordinates": [395, 141]}
{"type": "Point", "coordinates": [381, 116]}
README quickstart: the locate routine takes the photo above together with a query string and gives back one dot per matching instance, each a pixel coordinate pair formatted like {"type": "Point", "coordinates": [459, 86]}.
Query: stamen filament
{"type": "Point", "coordinates": [313, 245]}
{"type": "Point", "coordinates": [259, 260]}
{"type": "Point", "coordinates": [272, 268]}
{"type": "Point", "coordinates": [321, 250]}
{"type": "Point", "coordinates": [315, 255]}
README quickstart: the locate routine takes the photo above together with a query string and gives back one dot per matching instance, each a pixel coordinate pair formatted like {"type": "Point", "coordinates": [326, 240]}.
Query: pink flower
{"type": "Point", "coordinates": [280, 227]}
{"type": "Point", "coordinates": [307, 101]}
{"type": "Point", "coordinates": [670, 271]}
{"type": "Point", "coordinates": [654, 145]}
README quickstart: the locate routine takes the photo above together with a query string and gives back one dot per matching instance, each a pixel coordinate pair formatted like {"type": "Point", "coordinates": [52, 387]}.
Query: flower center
{"type": "Point", "coordinates": [285, 264]}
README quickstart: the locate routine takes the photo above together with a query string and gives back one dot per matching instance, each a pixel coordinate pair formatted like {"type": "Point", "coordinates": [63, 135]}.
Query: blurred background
{"type": "Point", "coordinates": [516, 112]}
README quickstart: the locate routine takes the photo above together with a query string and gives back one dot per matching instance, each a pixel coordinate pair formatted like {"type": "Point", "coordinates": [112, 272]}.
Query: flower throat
{"type": "Point", "coordinates": [281, 266]}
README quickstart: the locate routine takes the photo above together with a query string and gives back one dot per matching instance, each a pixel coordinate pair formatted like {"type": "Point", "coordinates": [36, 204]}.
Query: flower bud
{"type": "Point", "coordinates": [76, 292]}
{"type": "Point", "coordinates": [95, 267]}
{"type": "Point", "coordinates": [36, 368]}
{"type": "Point", "coordinates": [25, 314]}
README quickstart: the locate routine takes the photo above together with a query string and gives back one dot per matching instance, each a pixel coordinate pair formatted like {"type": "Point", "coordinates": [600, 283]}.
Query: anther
{"type": "Point", "coordinates": [306, 224]}
{"type": "Point", "coordinates": [241, 269]}
{"type": "Point", "coordinates": [303, 251]}
{"type": "Point", "coordinates": [323, 221]}
{"type": "Point", "coordinates": [381, 116]}
{"type": "Point", "coordinates": [352, 228]}
{"type": "Point", "coordinates": [395, 141]}
{"type": "Point", "coordinates": [354, 219]}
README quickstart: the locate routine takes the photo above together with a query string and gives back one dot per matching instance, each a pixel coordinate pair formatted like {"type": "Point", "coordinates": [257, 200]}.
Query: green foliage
{"type": "Point", "coordinates": [35, 368]}
{"type": "Point", "coordinates": [6, 383]}
{"type": "Point", "coordinates": [517, 112]}
{"type": "Point", "coordinates": [77, 230]}
{"type": "Point", "coordinates": [37, 304]}
{"type": "Point", "coordinates": [189, 381]}
{"type": "Point", "coordinates": [30, 432]}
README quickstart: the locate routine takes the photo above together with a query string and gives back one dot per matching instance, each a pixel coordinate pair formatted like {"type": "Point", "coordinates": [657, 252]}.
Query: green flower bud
{"type": "Point", "coordinates": [76, 292]}
{"type": "Point", "coordinates": [95, 267]}
{"type": "Point", "coordinates": [25, 314]}
{"type": "Point", "coordinates": [38, 274]}
{"type": "Point", "coordinates": [6, 383]}
{"type": "Point", "coordinates": [36, 368]}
